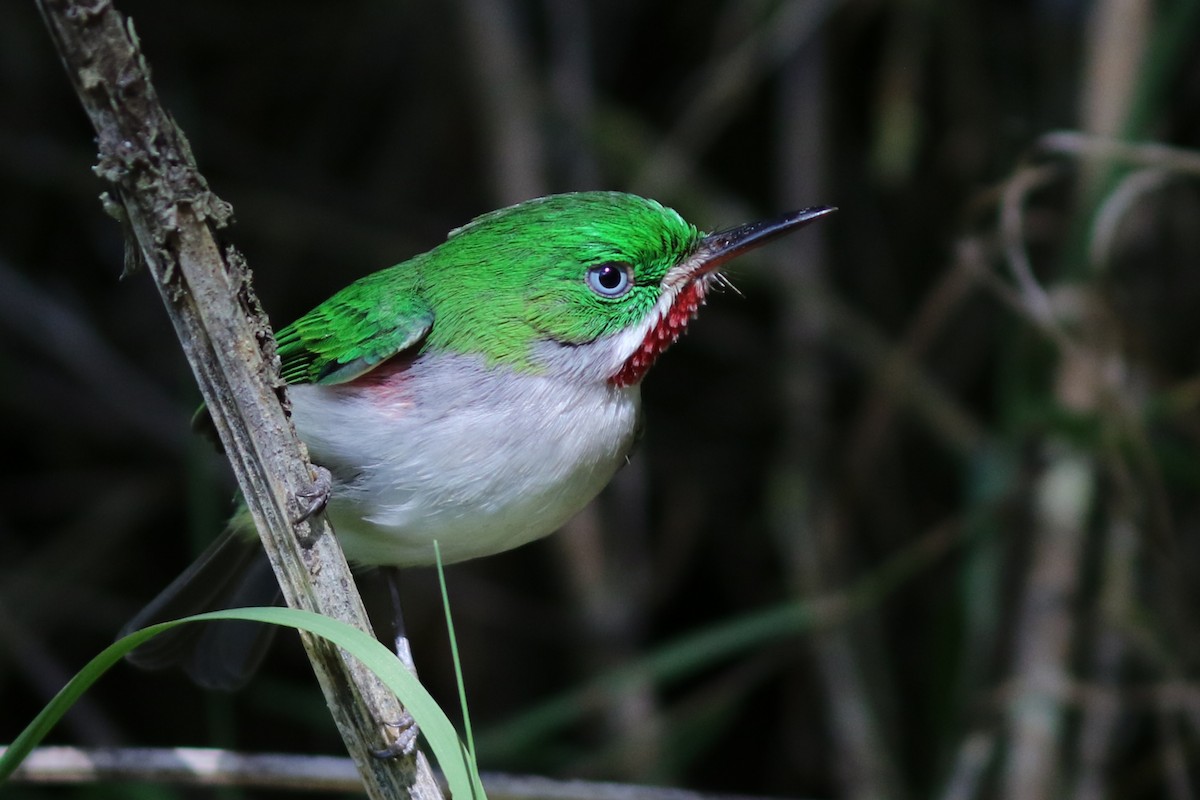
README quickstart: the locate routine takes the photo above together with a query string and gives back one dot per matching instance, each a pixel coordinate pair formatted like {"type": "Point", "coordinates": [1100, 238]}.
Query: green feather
{"type": "Point", "coordinates": [518, 276]}
{"type": "Point", "coordinates": [495, 287]}
{"type": "Point", "coordinates": [357, 329]}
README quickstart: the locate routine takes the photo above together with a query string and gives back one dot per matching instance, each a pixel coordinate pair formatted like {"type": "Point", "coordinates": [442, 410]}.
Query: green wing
{"type": "Point", "coordinates": [357, 329]}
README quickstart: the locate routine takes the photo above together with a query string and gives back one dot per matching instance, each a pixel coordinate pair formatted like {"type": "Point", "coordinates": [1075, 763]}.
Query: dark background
{"type": "Point", "coordinates": [953, 428]}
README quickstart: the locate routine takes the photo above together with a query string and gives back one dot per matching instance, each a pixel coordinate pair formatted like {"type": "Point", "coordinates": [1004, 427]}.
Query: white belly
{"type": "Point", "coordinates": [480, 460]}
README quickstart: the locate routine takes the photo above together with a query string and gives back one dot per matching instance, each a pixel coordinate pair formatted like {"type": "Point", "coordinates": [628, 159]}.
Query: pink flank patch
{"type": "Point", "coordinates": [664, 334]}
{"type": "Point", "coordinates": [387, 384]}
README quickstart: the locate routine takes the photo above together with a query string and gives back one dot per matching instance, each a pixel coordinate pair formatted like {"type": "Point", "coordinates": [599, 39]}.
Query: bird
{"type": "Point", "coordinates": [477, 395]}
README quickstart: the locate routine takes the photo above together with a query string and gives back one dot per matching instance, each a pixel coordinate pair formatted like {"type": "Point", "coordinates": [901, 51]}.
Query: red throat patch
{"type": "Point", "coordinates": [663, 334]}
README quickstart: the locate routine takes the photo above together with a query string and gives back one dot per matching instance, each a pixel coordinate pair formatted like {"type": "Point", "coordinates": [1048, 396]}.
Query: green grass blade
{"type": "Point", "coordinates": [458, 673]}
{"type": "Point", "coordinates": [462, 775]}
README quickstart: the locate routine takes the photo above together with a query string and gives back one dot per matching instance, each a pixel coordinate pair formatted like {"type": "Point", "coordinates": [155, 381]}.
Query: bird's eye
{"type": "Point", "coordinates": [611, 279]}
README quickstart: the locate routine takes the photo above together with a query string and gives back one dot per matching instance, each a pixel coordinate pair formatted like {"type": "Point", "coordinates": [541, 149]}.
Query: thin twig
{"type": "Point", "coordinates": [193, 766]}
{"type": "Point", "coordinates": [1046, 628]}
{"type": "Point", "coordinates": [1012, 215]}
{"type": "Point", "coordinates": [1103, 148]}
{"type": "Point", "coordinates": [1123, 198]}
{"type": "Point", "coordinates": [1099, 728]}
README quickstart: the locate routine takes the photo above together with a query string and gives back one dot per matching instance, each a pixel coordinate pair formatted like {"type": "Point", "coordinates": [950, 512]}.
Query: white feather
{"type": "Point", "coordinates": [481, 459]}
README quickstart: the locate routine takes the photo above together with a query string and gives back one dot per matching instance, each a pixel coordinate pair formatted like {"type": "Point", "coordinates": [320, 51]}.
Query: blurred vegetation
{"type": "Point", "coordinates": [913, 516]}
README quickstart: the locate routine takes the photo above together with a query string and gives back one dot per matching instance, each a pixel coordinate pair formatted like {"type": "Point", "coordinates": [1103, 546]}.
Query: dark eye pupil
{"type": "Point", "coordinates": [610, 277]}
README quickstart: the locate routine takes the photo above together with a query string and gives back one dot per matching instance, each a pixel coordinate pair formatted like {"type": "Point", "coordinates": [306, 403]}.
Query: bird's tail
{"type": "Point", "coordinates": [232, 573]}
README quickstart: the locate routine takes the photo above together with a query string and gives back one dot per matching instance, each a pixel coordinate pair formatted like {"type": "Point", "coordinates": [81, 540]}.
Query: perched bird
{"type": "Point", "coordinates": [479, 395]}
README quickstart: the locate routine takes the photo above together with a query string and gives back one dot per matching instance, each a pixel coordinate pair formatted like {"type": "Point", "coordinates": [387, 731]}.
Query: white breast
{"type": "Point", "coordinates": [483, 460]}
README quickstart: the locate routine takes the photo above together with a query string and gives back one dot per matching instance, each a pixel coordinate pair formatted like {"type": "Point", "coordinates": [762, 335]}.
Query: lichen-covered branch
{"type": "Point", "coordinates": [170, 215]}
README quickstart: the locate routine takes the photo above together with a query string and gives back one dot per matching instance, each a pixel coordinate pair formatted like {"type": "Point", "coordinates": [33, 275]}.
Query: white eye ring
{"type": "Point", "coordinates": [610, 279]}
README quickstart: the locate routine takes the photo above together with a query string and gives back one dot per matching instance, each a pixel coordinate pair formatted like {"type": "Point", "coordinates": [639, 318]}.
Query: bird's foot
{"type": "Point", "coordinates": [314, 500]}
{"type": "Point", "coordinates": [405, 740]}
{"type": "Point", "coordinates": [316, 496]}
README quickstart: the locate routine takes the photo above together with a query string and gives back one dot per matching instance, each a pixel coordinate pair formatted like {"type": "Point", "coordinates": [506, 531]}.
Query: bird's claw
{"type": "Point", "coordinates": [405, 740]}
{"type": "Point", "coordinates": [315, 497]}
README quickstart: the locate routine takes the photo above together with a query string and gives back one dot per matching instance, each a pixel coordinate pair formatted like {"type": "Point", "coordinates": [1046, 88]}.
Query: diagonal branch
{"type": "Point", "coordinates": [167, 207]}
